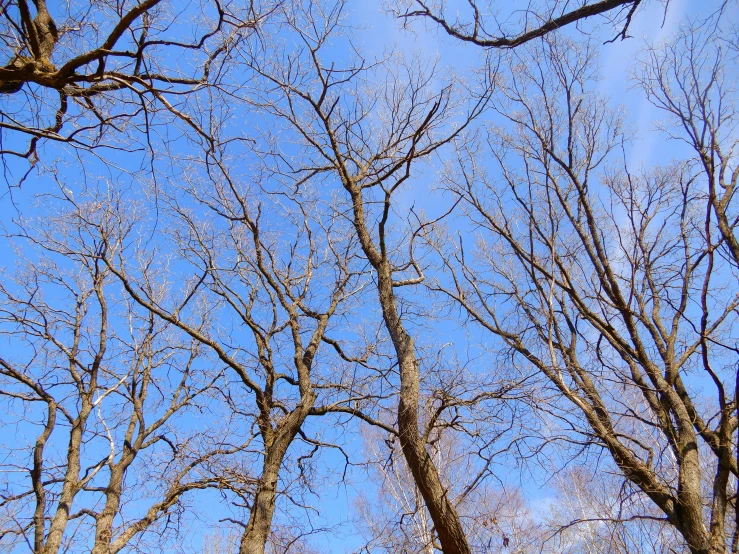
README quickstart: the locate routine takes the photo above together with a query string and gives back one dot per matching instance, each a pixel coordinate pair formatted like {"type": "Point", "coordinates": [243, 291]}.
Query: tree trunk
{"type": "Point", "coordinates": [446, 520]}
{"type": "Point", "coordinates": [71, 481]}
{"type": "Point", "coordinates": [257, 530]}
{"type": "Point", "coordinates": [104, 523]}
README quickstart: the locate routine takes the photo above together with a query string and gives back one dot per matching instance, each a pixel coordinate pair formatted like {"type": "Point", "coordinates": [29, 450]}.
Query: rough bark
{"type": "Point", "coordinates": [256, 533]}
{"type": "Point", "coordinates": [445, 517]}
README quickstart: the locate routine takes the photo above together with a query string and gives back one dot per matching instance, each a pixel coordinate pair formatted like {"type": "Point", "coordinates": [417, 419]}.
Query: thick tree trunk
{"type": "Point", "coordinates": [446, 520]}
{"type": "Point", "coordinates": [104, 523]}
{"type": "Point", "coordinates": [257, 530]}
{"type": "Point", "coordinates": [708, 549]}
{"type": "Point", "coordinates": [255, 536]}
{"type": "Point", "coordinates": [71, 482]}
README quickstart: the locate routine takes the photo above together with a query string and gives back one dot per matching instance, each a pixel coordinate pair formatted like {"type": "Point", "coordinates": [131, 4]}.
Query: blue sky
{"type": "Point", "coordinates": [376, 33]}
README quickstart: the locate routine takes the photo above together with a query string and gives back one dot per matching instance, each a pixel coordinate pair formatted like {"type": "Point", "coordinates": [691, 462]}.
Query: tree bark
{"type": "Point", "coordinates": [254, 538]}
{"type": "Point", "coordinates": [446, 520]}
{"type": "Point", "coordinates": [104, 523]}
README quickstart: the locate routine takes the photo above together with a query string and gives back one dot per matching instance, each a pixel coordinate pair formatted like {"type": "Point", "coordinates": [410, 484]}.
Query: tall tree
{"type": "Point", "coordinates": [95, 391]}
{"type": "Point", "coordinates": [692, 78]}
{"type": "Point", "coordinates": [611, 284]}
{"type": "Point", "coordinates": [364, 137]}
{"type": "Point", "coordinates": [86, 71]}
{"type": "Point", "coordinates": [279, 269]}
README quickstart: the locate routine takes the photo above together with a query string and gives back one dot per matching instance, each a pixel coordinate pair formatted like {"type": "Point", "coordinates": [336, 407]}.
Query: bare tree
{"type": "Point", "coordinates": [393, 517]}
{"type": "Point", "coordinates": [608, 283]}
{"type": "Point", "coordinates": [89, 70]}
{"type": "Point", "coordinates": [98, 388]}
{"type": "Point", "coordinates": [281, 541]}
{"type": "Point", "coordinates": [693, 79]}
{"type": "Point", "coordinates": [221, 542]}
{"type": "Point", "coordinates": [396, 519]}
{"type": "Point", "coordinates": [279, 269]}
{"type": "Point", "coordinates": [367, 135]}
{"type": "Point", "coordinates": [596, 511]}
{"type": "Point", "coordinates": [616, 289]}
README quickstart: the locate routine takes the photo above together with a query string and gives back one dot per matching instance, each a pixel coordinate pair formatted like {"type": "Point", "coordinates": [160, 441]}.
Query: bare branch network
{"type": "Point", "coordinates": [269, 287]}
